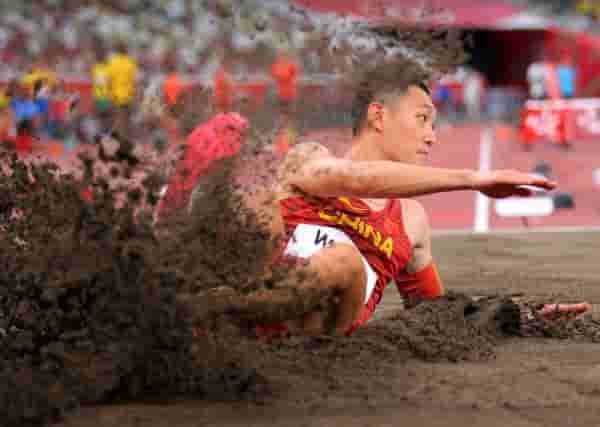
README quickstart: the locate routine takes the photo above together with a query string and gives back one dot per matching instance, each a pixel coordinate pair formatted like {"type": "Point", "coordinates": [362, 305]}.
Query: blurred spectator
{"type": "Point", "coordinates": [285, 73]}
{"type": "Point", "coordinates": [101, 83]}
{"type": "Point", "coordinates": [172, 87]}
{"type": "Point", "coordinates": [23, 104]}
{"type": "Point", "coordinates": [39, 74]}
{"type": "Point", "coordinates": [537, 75]}
{"type": "Point", "coordinates": [123, 76]}
{"type": "Point", "coordinates": [223, 86]}
{"type": "Point", "coordinates": [567, 77]}
{"type": "Point", "coordinates": [474, 94]}
{"type": "Point", "coordinates": [552, 82]}
{"type": "Point", "coordinates": [4, 98]}
{"type": "Point", "coordinates": [63, 106]}
{"type": "Point", "coordinates": [6, 122]}
{"type": "Point", "coordinates": [57, 114]}
{"type": "Point", "coordinates": [122, 72]}
{"type": "Point", "coordinates": [589, 8]}
{"type": "Point", "coordinates": [61, 117]}
{"type": "Point", "coordinates": [443, 98]}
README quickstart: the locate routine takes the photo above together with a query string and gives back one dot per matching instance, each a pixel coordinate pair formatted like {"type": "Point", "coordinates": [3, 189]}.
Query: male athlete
{"type": "Point", "coordinates": [352, 218]}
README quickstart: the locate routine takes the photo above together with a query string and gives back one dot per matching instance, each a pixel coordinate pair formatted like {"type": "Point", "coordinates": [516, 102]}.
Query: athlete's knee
{"type": "Point", "coordinates": [340, 266]}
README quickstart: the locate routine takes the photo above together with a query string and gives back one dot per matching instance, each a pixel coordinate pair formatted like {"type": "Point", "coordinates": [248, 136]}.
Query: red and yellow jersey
{"type": "Point", "coordinates": [122, 71]}
{"type": "Point", "coordinates": [101, 80]}
{"type": "Point", "coordinates": [378, 235]}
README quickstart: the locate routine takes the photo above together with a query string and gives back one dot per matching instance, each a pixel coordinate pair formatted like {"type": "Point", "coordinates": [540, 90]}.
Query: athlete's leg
{"type": "Point", "coordinates": [339, 268]}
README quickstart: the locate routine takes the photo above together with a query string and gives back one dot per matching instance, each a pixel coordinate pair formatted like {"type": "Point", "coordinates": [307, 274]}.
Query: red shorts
{"type": "Point", "coordinates": [364, 316]}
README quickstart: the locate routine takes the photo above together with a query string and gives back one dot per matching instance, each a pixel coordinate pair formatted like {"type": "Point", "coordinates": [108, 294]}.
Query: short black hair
{"type": "Point", "coordinates": [387, 78]}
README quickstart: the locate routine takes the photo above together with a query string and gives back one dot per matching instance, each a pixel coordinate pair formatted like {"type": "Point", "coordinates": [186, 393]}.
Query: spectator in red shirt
{"type": "Point", "coordinates": [173, 86]}
{"type": "Point", "coordinates": [285, 75]}
{"type": "Point", "coordinates": [223, 87]}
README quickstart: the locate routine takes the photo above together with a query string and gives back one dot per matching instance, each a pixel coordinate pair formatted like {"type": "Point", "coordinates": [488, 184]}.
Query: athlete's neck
{"type": "Point", "coordinates": [366, 147]}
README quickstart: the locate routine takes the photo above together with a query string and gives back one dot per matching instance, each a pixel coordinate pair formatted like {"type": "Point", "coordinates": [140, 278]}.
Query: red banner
{"type": "Point", "coordinates": [560, 121]}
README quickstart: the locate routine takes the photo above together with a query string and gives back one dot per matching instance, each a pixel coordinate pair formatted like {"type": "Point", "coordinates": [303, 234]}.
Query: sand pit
{"type": "Point", "coordinates": [370, 379]}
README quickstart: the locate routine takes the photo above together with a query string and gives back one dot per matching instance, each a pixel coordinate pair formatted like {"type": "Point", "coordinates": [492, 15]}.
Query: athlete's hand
{"type": "Point", "coordinates": [507, 183]}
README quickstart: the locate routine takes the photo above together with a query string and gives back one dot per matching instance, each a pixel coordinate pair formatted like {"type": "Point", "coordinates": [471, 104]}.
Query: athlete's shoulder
{"type": "Point", "coordinates": [296, 159]}
{"type": "Point", "coordinates": [302, 153]}
{"type": "Point", "coordinates": [308, 149]}
{"type": "Point", "coordinates": [299, 156]}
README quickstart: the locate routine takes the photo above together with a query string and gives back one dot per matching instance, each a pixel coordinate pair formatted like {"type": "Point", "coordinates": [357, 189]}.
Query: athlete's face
{"type": "Point", "coordinates": [407, 127]}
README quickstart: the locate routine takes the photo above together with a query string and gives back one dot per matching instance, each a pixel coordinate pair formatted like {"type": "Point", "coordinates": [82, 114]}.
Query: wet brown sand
{"type": "Point", "coordinates": [367, 381]}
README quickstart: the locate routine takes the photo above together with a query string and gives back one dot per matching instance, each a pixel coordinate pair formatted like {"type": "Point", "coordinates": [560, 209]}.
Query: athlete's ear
{"type": "Point", "coordinates": [375, 113]}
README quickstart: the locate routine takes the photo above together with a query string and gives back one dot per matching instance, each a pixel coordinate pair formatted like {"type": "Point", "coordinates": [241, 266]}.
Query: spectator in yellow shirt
{"type": "Point", "coordinates": [6, 116]}
{"type": "Point", "coordinates": [589, 8]}
{"type": "Point", "coordinates": [122, 73]}
{"type": "Point", "coordinates": [4, 98]}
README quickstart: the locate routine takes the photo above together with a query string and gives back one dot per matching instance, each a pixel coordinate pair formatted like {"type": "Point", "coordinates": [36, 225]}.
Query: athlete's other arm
{"type": "Point", "coordinates": [311, 169]}
{"type": "Point", "coordinates": [420, 280]}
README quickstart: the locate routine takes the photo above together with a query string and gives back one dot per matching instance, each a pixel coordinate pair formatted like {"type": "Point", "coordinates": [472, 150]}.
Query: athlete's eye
{"type": "Point", "coordinates": [422, 117]}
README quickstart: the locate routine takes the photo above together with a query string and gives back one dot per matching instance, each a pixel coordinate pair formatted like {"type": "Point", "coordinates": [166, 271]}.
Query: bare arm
{"type": "Point", "coordinates": [416, 225]}
{"type": "Point", "coordinates": [420, 280]}
{"type": "Point", "coordinates": [311, 169]}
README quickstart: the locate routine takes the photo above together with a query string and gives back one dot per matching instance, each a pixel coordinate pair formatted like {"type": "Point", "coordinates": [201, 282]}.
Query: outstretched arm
{"type": "Point", "coordinates": [311, 169]}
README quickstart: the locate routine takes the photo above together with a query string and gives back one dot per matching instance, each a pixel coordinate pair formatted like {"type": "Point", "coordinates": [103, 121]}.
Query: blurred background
{"type": "Point", "coordinates": [527, 96]}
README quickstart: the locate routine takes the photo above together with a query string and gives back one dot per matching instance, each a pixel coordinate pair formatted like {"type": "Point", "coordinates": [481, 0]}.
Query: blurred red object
{"type": "Point", "coordinates": [219, 138]}
{"type": "Point", "coordinates": [24, 143]}
{"type": "Point", "coordinates": [86, 194]}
